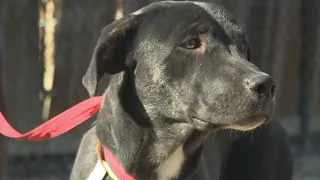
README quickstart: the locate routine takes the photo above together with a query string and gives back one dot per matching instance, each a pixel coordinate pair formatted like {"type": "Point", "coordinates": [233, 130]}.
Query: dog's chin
{"type": "Point", "coordinates": [204, 128]}
{"type": "Point", "coordinates": [248, 124]}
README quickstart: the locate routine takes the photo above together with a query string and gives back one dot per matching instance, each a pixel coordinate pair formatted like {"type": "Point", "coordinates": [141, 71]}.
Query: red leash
{"type": "Point", "coordinates": [57, 125]}
{"type": "Point", "coordinates": [63, 123]}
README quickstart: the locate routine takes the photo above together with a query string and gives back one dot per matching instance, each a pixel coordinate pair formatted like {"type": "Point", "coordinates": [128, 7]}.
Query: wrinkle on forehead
{"type": "Point", "coordinates": [156, 5]}
{"type": "Point", "coordinates": [223, 17]}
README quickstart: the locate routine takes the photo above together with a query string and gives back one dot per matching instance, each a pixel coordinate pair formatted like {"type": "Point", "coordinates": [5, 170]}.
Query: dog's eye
{"type": "Point", "coordinates": [243, 48]}
{"type": "Point", "coordinates": [192, 43]}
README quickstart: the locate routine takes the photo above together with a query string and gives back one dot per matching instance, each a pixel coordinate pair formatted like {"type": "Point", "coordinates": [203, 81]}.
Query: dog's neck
{"type": "Point", "coordinates": [139, 145]}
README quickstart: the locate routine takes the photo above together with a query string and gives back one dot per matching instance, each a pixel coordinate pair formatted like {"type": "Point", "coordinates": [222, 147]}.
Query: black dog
{"type": "Point", "coordinates": [180, 73]}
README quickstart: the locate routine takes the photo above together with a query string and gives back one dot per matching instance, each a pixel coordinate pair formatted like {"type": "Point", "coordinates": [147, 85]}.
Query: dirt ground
{"type": "Point", "coordinates": [58, 167]}
{"type": "Point", "coordinates": [307, 168]}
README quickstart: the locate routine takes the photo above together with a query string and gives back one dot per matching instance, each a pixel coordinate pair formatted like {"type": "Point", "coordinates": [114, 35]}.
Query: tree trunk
{"type": "Point", "coordinates": [79, 23]}
{"type": "Point", "coordinates": [3, 147]}
{"type": "Point", "coordinates": [77, 31]}
{"type": "Point", "coordinates": [22, 78]}
{"type": "Point", "coordinates": [308, 67]}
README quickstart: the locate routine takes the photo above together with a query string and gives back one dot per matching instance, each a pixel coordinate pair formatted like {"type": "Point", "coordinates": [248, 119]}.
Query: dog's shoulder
{"type": "Point", "coordinates": [86, 157]}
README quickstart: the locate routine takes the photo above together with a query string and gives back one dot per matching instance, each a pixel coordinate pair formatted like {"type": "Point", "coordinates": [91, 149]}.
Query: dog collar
{"type": "Point", "coordinates": [108, 165]}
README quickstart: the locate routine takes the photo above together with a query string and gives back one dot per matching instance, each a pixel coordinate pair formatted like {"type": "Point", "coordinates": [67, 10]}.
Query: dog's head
{"type": "Point", "coordinates": [190, 63]}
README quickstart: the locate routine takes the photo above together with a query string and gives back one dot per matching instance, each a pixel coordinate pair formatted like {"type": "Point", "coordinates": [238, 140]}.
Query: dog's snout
{"type": "Point", "coordinates": [263, 86]}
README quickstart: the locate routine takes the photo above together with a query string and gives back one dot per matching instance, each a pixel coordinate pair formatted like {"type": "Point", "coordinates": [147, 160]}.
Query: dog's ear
{"type": "Point", "coordinates": [110, 52]}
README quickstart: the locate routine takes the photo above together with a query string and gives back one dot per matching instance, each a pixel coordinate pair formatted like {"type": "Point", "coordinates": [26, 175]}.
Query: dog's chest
{"type": "Point", "coordinates": [171, 167]}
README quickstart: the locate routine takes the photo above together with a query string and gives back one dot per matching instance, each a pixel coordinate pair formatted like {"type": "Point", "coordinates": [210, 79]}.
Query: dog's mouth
{"type": "Point", "coordinates": [242, 125]}
{"type": "Point", "coordinates": [203, 125]}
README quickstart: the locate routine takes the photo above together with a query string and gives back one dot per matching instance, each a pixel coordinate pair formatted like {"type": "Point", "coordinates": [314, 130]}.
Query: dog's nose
{"type": "Point", "coordinates": [263, 86]}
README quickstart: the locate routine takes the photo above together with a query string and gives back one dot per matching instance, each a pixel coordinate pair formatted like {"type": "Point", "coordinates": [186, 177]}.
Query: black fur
{"type": "Point", "coordinates": [163, 95]}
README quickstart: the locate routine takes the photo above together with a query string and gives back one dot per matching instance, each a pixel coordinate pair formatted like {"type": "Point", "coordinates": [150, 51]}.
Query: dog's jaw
{"type": "Point", "coordinates": [137, 157]}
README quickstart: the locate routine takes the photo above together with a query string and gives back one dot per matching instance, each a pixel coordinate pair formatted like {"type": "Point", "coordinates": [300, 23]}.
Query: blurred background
{"type": "Point", "coordinates": [46, 46]}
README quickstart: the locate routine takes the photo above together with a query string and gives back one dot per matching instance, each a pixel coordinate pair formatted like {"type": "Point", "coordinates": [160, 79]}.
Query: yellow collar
{"type": "Point", "coordinates": [102, 167]}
